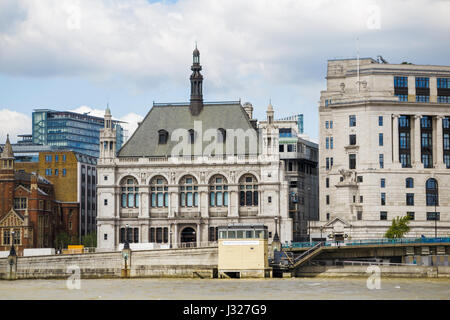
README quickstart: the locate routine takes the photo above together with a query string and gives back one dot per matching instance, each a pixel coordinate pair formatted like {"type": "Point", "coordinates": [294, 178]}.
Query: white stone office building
{"type": "Point", "coordinates": [300, 157]}
{"type": "Point", "coordinates": [384, 149]}
{"type": "Point", "coordinates": [178, 194]}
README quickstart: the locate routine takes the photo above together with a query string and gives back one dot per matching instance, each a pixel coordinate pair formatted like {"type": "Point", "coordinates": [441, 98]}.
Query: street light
{"type": "Point", "coordinates": [126, 244]}
{"type": "Point", "coordinates": [435, 214]}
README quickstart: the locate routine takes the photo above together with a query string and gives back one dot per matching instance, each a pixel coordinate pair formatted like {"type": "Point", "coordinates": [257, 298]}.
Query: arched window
{"type": "Point", "coordinates": [218, 191]}
{"type": "Point", "coordinates": [432, 192]}
{"type": "Point", "coordinates": [221, 135]}
{"type": "Point", "coordinates": [159, 192]}
{"type": "Point", "coordinates": [188, 192]}
{"type": "Point", "coordinates": [129, 193]}
{"type": "Point", "coordinates": [248, 187]}
{"type": "Point", "coordinates": [163, 136]}
{"type": "Point", "coordinates": [409, 182]}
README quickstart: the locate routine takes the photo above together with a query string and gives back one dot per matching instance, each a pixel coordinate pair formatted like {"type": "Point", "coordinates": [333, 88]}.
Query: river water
{"type": "Point", "coordinates": [226, 289]}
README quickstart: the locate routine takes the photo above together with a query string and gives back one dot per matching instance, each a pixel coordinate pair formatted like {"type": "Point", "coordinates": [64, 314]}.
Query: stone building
{"type": "Point", "coordinates": [188, 169]}
{"type": "Point", "coordinates": [29, 215]}
{"type": "Point", "coordinates": [300, 157]}
{"type": "Point", "coordinates": [384, 149]}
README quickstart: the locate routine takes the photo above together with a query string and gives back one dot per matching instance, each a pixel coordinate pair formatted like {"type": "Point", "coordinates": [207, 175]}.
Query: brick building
{"type": "Point", "coordinates": [30, 217]}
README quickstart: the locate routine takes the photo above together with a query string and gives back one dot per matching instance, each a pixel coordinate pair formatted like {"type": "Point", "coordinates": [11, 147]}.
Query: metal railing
{"type": "Point", "coordinates": [381, 241]}
{"type": "Point", "coordinates": [306, 253]}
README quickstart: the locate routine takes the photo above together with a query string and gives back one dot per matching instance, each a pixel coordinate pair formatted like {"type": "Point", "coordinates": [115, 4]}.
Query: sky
{"type": "Point", "coordinates": [84, 54]}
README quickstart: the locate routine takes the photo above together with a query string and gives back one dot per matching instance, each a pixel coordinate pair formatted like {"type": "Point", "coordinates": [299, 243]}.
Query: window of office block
{"type": "Point", "coordinates": [383, 198]}
{"type": "Point", "coordinates": [383, 183]}
{"type": "Point", "coordinates": [383, 215]}
{"type": "Point", "coordinates": [422, 98]}
{"type": "Point", "coordinates": [352, 139]}
{"type": "Point", "coordinates": [422, 82]}
{"type": "Point", "coordinates": [432, 216]}
{"type": "Point", "coordinates": [411, 215]}
{"type": "Point", "coordinates": [409, 182]}
{"type": "Point", "coordinates": [381, 160]}
{"type": "Point", "coordinates": [352, 120]}
{"type": "Point", "coordinates": [352, 161]}
{"type": "Point", "coordinates": [410, 199]}
{"type": "Point", "coordinates": [401, 82]}
{"type": "Point", "coordinates": [380, 139]}
{"type": "Point", "coordinates": [380, 121]}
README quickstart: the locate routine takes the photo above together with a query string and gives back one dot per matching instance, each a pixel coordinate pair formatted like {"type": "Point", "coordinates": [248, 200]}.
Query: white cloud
{"type": "Point", "coordinates": [13, 123]}
{"type": "Point", "coordinates": [130, 120]}
{"type": "Point", "coordinates": [253, 49]}
{"type": "Point", "coordinates": [149, 42]}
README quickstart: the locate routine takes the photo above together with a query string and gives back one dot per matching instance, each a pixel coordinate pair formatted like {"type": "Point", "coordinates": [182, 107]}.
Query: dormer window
{"type": "Point", "coordinates": [163, 136]}
{"type": "Point", "coordinates": [191, 136]}
{"type": "Point", "coordinates": [221, 135]}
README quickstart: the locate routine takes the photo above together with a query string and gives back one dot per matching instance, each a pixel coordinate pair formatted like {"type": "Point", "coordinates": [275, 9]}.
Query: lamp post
{"type": "Point", "coordinates": [435, 215]}
{"type": "Point", "coordinates": [309, 213]}
{"type": "Point", "coordinates": [126, 244]}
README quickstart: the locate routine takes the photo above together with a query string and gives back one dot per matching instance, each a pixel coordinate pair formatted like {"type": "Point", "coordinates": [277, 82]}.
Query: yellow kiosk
{"type": "Point", "coordinates": [243, 251]}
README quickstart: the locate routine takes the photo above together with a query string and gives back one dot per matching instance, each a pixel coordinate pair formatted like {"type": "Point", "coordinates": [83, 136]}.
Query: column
{"type": "Point", "coordinates": [417, 143]}
{"type": "Point", "coordinates": [199, 235]}
{"type": "Point", "coordinates": [175, 237]}
{"type": "Point", "coordinates": [173, 201]}
{"type": "Point", "coordinates": [118, 203]}
{"type": "Point", "coordinates": [233, 201]}
{"type": "Point", "coordinates": [203, 201]}
{"type": "Point", "coordinates": [395, 137]}
{"type": "Point", "coordinates": [438, 156]}
{"type": "Point", "coordinates": [143, 203]}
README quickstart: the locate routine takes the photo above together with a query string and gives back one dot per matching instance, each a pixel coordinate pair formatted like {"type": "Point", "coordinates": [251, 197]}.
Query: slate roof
{"type": "Point", "coordinates": [169, 117]}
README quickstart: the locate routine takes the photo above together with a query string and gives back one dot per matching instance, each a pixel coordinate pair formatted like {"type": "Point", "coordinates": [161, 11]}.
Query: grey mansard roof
{"type": "Point", "coordinates": [169, 117]}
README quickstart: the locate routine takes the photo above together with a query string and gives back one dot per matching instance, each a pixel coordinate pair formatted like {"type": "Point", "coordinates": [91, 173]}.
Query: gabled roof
{"type": "Point", "coordinates": [12, 219]}
{"type": "Point", "coordinates": [333, 221]}
{"type": "Point", "coordinates": [144, 141]}
{"type": "Point", "coordinates": [22, 187]}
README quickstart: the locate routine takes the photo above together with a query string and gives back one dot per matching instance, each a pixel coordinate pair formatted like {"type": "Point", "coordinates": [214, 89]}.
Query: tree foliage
{"type": "Point", "coordinates": [89, 240]}
{"type": "Point", "coordinates": [398, 228]}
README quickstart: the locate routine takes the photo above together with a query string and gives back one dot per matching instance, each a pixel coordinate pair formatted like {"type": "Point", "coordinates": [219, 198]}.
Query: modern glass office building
{"type": "Point", "coordinates": [71, 131]}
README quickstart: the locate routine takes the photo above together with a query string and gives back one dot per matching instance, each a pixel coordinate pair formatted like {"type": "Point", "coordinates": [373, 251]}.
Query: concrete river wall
{"type": "Point", "coordinates": [192, 262]}
{"type": "Point", "coordinates": [404, 271]}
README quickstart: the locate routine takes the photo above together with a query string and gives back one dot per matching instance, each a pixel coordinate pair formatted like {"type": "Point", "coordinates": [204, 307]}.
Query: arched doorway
{"type": "Point", "coordinates": [188, 237]}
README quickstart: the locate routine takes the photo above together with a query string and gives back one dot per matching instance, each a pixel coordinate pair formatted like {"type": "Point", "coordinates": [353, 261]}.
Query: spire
{"type": "Point", "coordinates": [108, 118]}
{"type": "Point", "coordinates": [196, 104]}
{"type": "Point", "coordinates": [7, 150]}
{"type": "Point", "coordinates": [270, 112]}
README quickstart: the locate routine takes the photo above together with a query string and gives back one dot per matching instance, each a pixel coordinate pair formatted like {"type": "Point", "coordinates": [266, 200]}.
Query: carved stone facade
{"type": "Point", "coordinates": [181, 199]}
{"type": "Point", "coordinates": [384, 149]}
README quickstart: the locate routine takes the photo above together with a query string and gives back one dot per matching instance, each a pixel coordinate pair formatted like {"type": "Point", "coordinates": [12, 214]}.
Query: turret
{"type": "Point", "coordinates": [270, 134]}
{"type": "Point", "coordinates": [196, 105]}
{"type": "Point", "coordinates": [7, 156]}
{"type": "Point", "coordinates": [108, 137]}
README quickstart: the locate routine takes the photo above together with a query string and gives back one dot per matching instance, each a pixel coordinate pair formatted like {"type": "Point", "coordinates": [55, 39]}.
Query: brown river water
{"type": "Point", "coordinates": [226, 289]}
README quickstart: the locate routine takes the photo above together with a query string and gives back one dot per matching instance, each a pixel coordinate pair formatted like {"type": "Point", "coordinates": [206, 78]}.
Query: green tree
{"type": "Point", "coordinates": [398, 228]}
{"type": "Point", "coordinates": [62, 240]}
{"type": "Point", "coordinates": [89, 240]}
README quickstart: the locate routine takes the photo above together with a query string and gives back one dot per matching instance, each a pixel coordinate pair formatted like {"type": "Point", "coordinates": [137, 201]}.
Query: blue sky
{"type": "Point", "coordinates": [68, 54]}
